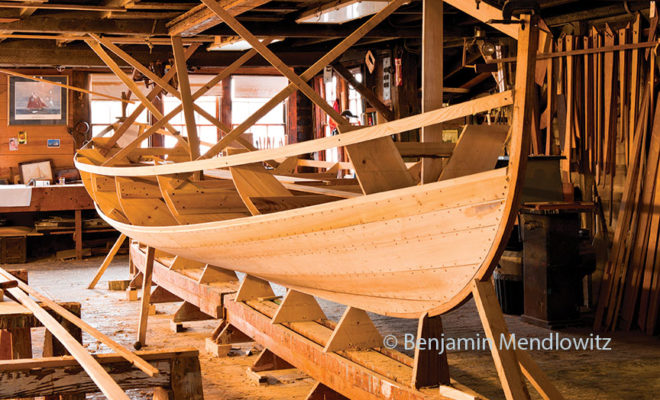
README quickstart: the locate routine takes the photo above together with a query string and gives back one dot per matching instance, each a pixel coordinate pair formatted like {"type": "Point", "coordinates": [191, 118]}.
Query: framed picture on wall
{"type": "Point", "coordinates": [37, 103]}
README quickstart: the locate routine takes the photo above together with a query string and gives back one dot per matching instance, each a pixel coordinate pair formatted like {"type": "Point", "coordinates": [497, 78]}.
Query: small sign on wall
{"type": "Point", "coordinates": [53, 143]}
{"type": "Point", "coordinates": [13, 144]}
{"type": "Point", "coordinates": [22, 137]}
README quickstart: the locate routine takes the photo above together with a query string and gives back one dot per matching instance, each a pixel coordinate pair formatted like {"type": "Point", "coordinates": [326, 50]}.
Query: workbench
{"type": "Point", "coordinates": [71, 197]}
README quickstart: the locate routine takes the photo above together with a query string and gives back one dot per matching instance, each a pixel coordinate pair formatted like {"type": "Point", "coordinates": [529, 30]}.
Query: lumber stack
{"type": "Point", "coordinates": [598, 109]}
{"type": "Point", "coordinates": [630, 290]}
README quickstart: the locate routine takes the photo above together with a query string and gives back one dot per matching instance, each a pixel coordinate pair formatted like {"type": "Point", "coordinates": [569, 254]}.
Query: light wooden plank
{"type": "Point", "coordinates": [186, 96]}
{"type": "Point", "coordinates": [432, 80]}
{"type": "Point", "coordinates": [494, 325]}
{"type": "Point", "coordinates": [95, 371]}
{"type": "Point", "coordinates": [477, 150]}
{"type": "Point", "coordinates": [336, 51]}
{"type": "Point", "coordinates": [146, 294]}
{"type": "Point", "coordinates": [360, 135]}
{"type": "Point", "coordinates": [107, 260]}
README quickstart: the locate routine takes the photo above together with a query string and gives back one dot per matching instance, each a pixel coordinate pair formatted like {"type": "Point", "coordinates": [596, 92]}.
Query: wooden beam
{"type": "Point", "coordinates": [364, 91]}
{"type": "Point", "coordinates": [432, 80]}
{"type": "Point", "coordinates": [186, 96]}
{"type": "Point", "coordinates": [485, 12]}
{"type": "Point", "coordinates": [305, 76]}
{"type": "Point", "coordinates": [128, 82]}
{"type": "Point", "coordinates": [107, 260]}
{"type": "Point", "coordinates": [494, 325]}
{"type": "Point", "coordinates": [95, 371]}
{"type": "Point", "coordinates": [55, 376]}
{"type": "Point", "coordinates": [368, 133]}
{"type": "Point", "coordinates": [74, 319]}
{"type": "Point", "coordinates": [200, 92]}
{"type": "Point", "coordinates": [151, 96]}
{"type": "Point", "coordinates": [201, 18]}
{"type": "Point", "coordinates": [146, 293]}
{"type": "Point", "coordinates": [276, 62]}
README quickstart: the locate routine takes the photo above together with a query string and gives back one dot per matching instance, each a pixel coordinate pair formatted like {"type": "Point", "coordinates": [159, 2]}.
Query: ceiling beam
{"type": "Point", "coordinates": [82, 24]}
{"type": "Point", "coordinates": [48, 6]}
{"type": "Point", "coordinates": [201, 18]}
{"type": "Point", "coordinates": [39, 53]}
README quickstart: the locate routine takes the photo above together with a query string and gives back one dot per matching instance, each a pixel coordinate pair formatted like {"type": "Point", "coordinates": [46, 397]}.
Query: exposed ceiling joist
{"type": "Point", "coordinates": [201, 18]}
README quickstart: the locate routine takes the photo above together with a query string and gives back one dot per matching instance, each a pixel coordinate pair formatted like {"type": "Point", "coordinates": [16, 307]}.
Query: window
{"type": "Point", "coordinates": [249, 93]}
{"type": "Point", "coordinates": [107, 112]}
{"type": "Point", "coordinates": [206, 131]}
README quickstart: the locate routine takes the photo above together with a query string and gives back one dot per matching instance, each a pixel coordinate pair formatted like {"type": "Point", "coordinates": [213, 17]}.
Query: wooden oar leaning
{"type": "Point", "coordinates": [393, 247]}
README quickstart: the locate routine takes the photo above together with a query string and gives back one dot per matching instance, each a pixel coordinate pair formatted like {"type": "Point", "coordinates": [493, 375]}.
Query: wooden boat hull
{"type": "Point", "coordinates": [401, 253]}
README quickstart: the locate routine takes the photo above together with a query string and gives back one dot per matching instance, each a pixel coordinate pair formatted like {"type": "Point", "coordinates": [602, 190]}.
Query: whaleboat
{"type": "Point", "coordinates": [384, 241]}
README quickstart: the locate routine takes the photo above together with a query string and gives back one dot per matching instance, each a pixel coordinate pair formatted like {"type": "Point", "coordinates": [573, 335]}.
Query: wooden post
{"type": "Point", "coordinates": [431, 367]}
{"type": "Point", "coordinates": [494, 325]}
{"type": "Point", "coordinates": [78, 235]}
{"type": "Point", "coordinates": [146, 294]}
{"type": "Point", "coordinates": [432, 80]}
{"type": "Point", "coordinates": [186, 97]}
{"type": "Point", "coordinates": [106, 262]}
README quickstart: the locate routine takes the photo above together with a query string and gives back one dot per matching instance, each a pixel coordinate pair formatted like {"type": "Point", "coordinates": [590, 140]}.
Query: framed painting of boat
{"type": "Point", "coordinates": [37, 103]}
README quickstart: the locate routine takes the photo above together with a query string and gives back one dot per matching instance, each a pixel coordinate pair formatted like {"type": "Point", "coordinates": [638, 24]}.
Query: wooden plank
{"type": "Point", "coordinates": [305, 76]}
{"type": "Point", "coordinates": [252, 180]}
{"type": "Point", "coordinates": [146, 293]}
{"type": "Point", "coordinates": [568, 132]}
{"type": "Point", "coordinates": [54, 376]}
{"type": "Point", "coordinates": [95, 371]}
{"type": "Point", "coordinates": [121, 129]}
{"type": "Point", "coordinates": [485, 12]}
{"type": "Point", "coordinates": [368, 133]}
{"type": "Point", "coordinates": [275, 61]}
{"type": "Point", "coordinates": [141, 201]}
{"type": "Point", "coordinates": [128, 82]}
{"type": "Point", "coordinates": [477, 150]}
{"type": "Point", "coordinates": [634, 83]}
{"type": "Point", "coordinates": [494, 325]}
{"type": "Point", "coordinates": [432, 80]}
{"type": "Point", "coordinates": [107, 260]}
{"type": "Point", "coordinates": [379, 166]}
{"type": "Point", "coordinates": [74, 319]}
{"type": "Point", "coordinates": [186, 96]}
{"type": "Point", "coordinates": [226, 72]}
{"type": "Point", "coordinates": [608, 286]}
{"type": "Point", "coordinates": [364, 91]}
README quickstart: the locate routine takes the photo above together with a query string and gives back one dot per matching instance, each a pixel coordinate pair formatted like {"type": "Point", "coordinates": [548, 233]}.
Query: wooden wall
{"type": "Point", "coordinates": [37, 135]}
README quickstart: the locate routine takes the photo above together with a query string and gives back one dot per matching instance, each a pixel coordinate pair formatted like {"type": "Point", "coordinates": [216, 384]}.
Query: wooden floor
{"type": "Point", "coordinates": [630, 371]}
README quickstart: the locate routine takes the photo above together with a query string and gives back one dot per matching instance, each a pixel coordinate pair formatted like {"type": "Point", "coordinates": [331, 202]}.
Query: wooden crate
{"type": "Point", "coordinates": [13, 250]}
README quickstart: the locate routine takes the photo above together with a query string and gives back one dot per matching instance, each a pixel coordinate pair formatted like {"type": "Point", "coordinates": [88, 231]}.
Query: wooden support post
{"type": "Point", "coordinates": [252, 288]}
{"type": "Point", "coordinates": [146, 293]}
{"type": "Point", "coordinates": [431, 367]}
{"type": "Point", "coordinates": [186, 96]}
{"type": "Point", "coordinates": [298, 307]}
{"type": "Point", "coordinates": [189, 312]}
{"type": "Point", "coordinates": [106, 262]}
{"type": "Point", "coordinates": [52, 347]}
{"type": "Point", "coordinates": [494, 325]}
{"type": "Point", "coordinates": [355, 330]}
{"type": "Point", "coordinates": [322, 392]}
{"type": "Point", "coordinates": [78, 235]}
{"type": "Point", "coordinates": [432, 80]}
{"type": "Point", "coordinates": [268, 361]}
